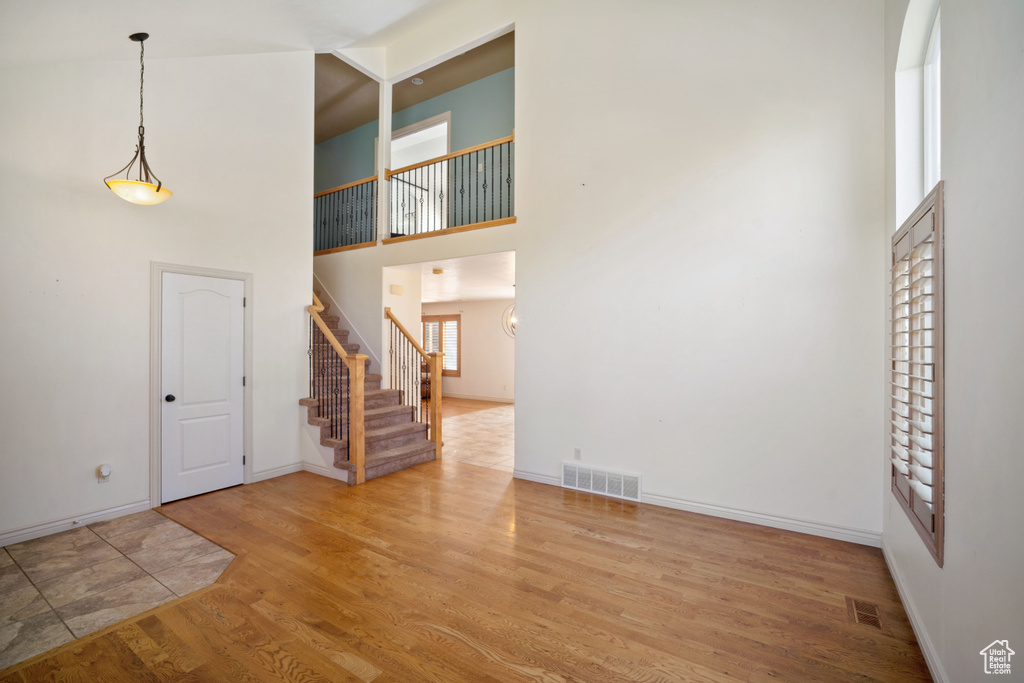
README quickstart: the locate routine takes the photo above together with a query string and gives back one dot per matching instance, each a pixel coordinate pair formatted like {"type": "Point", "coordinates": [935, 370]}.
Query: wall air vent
{"type": "Point", "coordinates": [615, 483]}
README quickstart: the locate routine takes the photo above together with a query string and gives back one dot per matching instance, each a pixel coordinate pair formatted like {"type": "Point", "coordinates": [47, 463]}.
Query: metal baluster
{"type": "Point", "coordinates": [319, 376]}
{"type": "Point", "coordinates": [508, 178]}
{"type": "Point", "coordinates": [353, 208]}
{"type": "Point", "coordinates": [344, 428]}
{"type": "Point", "coordinates": [367, 233]}
{"type": "Point", "coordinates": [420, 223]}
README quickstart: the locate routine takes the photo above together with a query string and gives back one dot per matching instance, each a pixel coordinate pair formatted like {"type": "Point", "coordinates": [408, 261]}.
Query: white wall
{"type": "Point", "coordinates": [488, 354]}
{"type": "Point", "coordinates": [976, 596]}
{"type": "Point", "coordinates": [700, 214]}
{"type": "Point", "coordinates": [405, 307]}
{"type": "Point", "coordinates": [232, 138]}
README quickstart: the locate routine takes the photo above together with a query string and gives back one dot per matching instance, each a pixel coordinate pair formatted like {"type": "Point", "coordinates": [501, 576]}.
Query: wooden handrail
{"type": "Point", "coordinates": [405, 332]}
{"type": "Point", "coordinates": [452, 155]}
{"type": "Point", "coordinates": [314, 313]}
{"type": "Point", "coordinates": [346, 186]}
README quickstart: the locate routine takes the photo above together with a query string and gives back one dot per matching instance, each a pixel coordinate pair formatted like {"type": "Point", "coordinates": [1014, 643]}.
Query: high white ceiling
{"type": "Point", "coordinates": [48, 31]}
{"type": "Point", "coordinates": [471, 278]}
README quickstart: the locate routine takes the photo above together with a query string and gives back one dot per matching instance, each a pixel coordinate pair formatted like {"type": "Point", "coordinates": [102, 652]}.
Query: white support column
{"type": "Point", "coordinates": [383, 162]}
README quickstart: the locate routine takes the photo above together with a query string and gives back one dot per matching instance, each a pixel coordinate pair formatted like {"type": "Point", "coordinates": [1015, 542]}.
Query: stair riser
{"type": "Point", "coordinates": [372, 472]}
{"type": "Point", "coordinates": [369, 386]}
{"type": "Point", "coordinates": [383, 399]}
{"type": "Point", "coordinates": [397, 441]}
{"type": "Point", "coordinates": [328, 349]}
{"type": "Point", "coordinates": [340, 334]}
{"type": "Point", "coordinates": [394, 466]}
{"type": "Point", "coordinates": [388, 420]}
{"type": "Point", "coordinates": [332, 369]}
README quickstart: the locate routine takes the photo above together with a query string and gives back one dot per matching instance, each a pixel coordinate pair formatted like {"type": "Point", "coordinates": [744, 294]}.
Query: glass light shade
{"type": "Point", "coordinates": [138, 192]}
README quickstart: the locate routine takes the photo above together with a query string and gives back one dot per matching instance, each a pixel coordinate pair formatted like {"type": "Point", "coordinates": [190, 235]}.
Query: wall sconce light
{"type": "Point", "coordinates": [508, 320]}
{"type": "Point", "coordinates": [142, 190]}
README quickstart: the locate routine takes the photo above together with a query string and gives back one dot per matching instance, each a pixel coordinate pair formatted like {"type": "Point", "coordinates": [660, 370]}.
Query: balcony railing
{"type": "Point", "coordinates": [470, 188]}
{"type": "Point", "coordinates": [345, 216]}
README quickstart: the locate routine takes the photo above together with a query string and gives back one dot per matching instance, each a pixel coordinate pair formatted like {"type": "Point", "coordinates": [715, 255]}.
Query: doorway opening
{"type": "Point", "coordinates": [459, 306]}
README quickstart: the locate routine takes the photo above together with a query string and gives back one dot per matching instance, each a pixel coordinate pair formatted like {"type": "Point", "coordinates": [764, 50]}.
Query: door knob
{"type": "Point", "coordinates": [169, 398]}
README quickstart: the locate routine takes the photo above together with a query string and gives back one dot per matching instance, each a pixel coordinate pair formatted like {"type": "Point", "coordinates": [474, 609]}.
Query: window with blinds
{"type": "Point", "coordinates": [443, 333]}
{"type": "Point", "coordinates": [915, 370]}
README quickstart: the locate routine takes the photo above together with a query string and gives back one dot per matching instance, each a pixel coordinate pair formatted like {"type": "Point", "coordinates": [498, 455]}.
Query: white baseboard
{"type": "Point", "coordinates": [27, 533]}
{"type": "Point", "coordinates": [470, 397]}
{"type": "Point", "coordinates": [841, 533]}
{"type": "Point", "coordinates": [324, 471]}
{"type": "Point", "coordinates": [860, 536]}
{"type": "Point", "coordinates": [928, 649]}
{"type": "Point", "coordinates": [276, 472]}
{"type": "Point", "coordinates": [539, 478]}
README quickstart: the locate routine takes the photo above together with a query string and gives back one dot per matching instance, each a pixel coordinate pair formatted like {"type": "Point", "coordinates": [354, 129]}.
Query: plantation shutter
{"type": "Point", "coordinates": [442, 333]}
{"type": "Point", "coordinates": [451, 345]}
{"type": "Point", "coordinates": [915, 372]}
{"type": "Point", "coordinates": [431, 336]}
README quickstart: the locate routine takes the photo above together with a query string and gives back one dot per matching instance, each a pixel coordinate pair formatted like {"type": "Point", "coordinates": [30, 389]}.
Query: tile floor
{"type": "Point", "coordinates": [61, 587]}
{"type": "Point", "coordinates": [482, 437]}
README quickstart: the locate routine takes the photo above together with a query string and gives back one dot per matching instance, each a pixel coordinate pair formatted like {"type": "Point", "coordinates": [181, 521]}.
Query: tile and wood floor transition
{"type": "Point", "coordinates": [65, 586]}
{"type": "Point", "coordinates": [453, 572]}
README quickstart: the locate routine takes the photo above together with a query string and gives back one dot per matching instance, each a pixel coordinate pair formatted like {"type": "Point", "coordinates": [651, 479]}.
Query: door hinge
{"type": "Point", "coordinates": [243, 380]}
{"type": "Point", "coordinates": [243, 302]}
{"type": "Point", "coordinates": [243, 459]}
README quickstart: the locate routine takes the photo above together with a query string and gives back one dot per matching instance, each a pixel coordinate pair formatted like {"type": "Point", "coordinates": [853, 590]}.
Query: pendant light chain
{"type": "Point", "coordinates": [142, 82]}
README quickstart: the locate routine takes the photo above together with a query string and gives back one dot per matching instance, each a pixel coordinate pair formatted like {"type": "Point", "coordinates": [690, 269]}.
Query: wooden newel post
{"type": "Point", "coordinates": [435, 401]}
{"type": "Point", "coordinates": [356, 425]}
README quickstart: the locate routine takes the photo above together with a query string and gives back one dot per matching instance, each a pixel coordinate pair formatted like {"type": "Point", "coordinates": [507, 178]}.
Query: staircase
{"type": "Point", "coordinates": [394, 440]}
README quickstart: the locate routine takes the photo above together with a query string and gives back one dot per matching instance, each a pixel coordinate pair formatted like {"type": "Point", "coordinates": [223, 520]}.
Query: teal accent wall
{"type": "Point", "coordinates": [482, 111]}
{"type": "Point", "coordinates": [345, 158]}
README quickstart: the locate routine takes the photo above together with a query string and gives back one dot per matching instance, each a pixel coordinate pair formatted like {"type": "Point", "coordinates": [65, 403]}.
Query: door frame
{"type": "Point", "coordinates": [157, 271]}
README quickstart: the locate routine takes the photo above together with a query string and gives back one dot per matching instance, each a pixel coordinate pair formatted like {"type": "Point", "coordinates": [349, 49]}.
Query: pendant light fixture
{"type": "Point", "coordinates": [147, 188]}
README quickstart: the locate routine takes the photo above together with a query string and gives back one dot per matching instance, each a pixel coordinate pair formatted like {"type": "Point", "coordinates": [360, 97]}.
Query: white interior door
{"type": "Point", "coordinates": [202, 362]}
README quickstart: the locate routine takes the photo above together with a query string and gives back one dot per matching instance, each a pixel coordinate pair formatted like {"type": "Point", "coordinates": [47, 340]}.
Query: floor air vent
{"type": "Point", "coordinates": [601, 480]}
{"type": "Point", "coordinates": [862, 612]}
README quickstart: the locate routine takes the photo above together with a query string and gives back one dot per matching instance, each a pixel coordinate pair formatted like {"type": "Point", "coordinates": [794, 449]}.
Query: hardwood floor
{"type": "Point", "coordinates": [449, 572]}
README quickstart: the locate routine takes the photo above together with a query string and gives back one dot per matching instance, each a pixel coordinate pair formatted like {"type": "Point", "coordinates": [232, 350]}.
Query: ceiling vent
{"type": "Point", "coordinates": [615, 483]}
